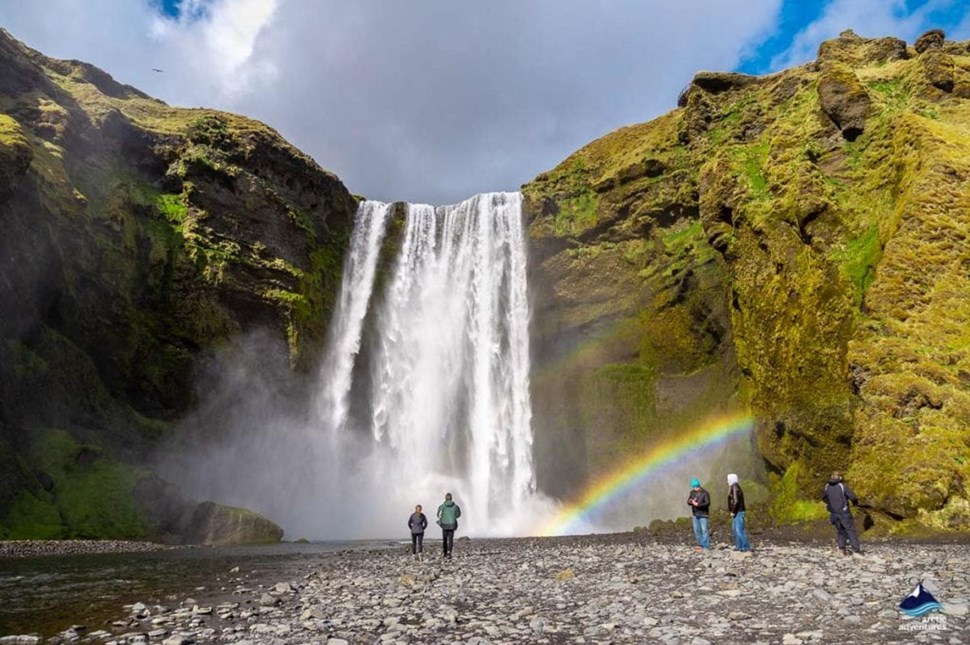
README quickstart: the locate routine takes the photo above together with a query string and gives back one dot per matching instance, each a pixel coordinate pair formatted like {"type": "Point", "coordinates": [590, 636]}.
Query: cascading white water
{"type": "Point", "coordinates": [355, 294]}
{"type": "Point", "coordinates": [448, 355]}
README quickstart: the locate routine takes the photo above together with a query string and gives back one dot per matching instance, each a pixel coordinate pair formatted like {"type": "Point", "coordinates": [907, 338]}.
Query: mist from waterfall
{"type": "Point", "coordinates": [425, 386]}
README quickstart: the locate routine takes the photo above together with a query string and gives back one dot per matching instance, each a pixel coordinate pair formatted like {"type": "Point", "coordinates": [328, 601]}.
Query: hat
{"type": "Point", "coordinates": [732, 479]}
{"type": "Point", "coordinates": [695, 483]}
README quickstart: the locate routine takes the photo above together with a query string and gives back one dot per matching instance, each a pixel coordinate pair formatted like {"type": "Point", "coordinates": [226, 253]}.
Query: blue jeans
{"type": "Point", "coordinates": [700, 532]}
{"type": "Point", "coordinates": [740, 535]}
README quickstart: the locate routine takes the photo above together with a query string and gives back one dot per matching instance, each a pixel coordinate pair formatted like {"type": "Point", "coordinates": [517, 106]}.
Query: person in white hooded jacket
{"type": "Point", "coordinates": [736, 507]}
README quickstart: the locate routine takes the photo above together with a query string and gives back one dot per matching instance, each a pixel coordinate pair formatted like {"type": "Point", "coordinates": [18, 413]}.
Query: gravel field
{"type": "Point", "coordinates": [600, 589]}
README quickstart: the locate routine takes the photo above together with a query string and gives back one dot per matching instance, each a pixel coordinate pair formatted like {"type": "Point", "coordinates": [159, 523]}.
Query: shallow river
{"type": "Point", "coordinates": [48, 594]}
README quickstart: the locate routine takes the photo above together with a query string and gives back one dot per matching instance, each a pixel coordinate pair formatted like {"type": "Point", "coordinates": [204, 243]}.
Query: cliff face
{"type": "Point", "coordinates": [136, 238]}
{"type": "Point", "coordinates": [797, 245]}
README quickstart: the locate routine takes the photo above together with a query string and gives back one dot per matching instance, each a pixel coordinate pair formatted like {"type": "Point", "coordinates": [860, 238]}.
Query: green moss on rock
{"type": "Point", "coordinates": [831, 205]}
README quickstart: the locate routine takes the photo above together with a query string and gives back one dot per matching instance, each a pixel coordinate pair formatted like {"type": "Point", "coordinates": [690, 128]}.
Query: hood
{"type": "Point", "coordinates": [732, 479]}
{"type": "Point", "coordinates": [449, 502]}
{"type": "Point", "coordinates": [833, 482]}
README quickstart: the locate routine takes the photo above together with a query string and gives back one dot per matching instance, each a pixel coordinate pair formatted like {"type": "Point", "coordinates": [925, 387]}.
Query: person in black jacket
{"type": "Point", "coordinates": [418, 522]}
{"type": "Point", "coordinates": [736, 508]}
{"type": "Point", "coordinates": [700, 502]}
{"type": "Point", "coordinates": [837, 496]}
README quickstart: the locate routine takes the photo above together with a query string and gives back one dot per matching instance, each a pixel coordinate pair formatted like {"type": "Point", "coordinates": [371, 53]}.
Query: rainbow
{"type": "Point", "coordinates": [613, 485]}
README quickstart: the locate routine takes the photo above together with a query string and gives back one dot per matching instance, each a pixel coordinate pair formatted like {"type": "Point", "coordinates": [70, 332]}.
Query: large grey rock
{"type": "Point", "coordinates": [216, 524]}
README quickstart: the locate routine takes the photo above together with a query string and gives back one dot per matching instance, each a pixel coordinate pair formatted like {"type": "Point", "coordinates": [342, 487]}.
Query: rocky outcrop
{"type": "Point", "coordinates": [218, 525]}
{"type": "Point", "coordinates": [137, 238]}
{"type": "Point", "coordinates": [795, 251]}
{"type": "Point", "coordinates": [843, 98]}
{"type": "Point", "coordinates": [932, 39]}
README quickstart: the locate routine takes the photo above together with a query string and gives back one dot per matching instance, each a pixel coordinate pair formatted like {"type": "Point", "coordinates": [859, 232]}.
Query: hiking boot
{"type": "Point", "coordinates": [844, 550]}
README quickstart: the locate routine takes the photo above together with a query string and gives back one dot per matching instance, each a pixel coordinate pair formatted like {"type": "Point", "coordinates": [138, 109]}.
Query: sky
{"type": "Point", "coordinates": [435, 100]}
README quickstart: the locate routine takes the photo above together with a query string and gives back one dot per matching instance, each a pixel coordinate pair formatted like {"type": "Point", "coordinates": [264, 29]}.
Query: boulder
{"type": "Point", "coordinates": [933, 39]}
{"type": "Point", "coordinates": [218, 525]}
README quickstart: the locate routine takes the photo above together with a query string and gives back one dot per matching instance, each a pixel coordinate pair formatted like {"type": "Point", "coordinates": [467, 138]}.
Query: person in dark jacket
{"type": "Point", "coordinates": [700, 502]}
{"type": "Point", "coordinates": [837, 496]}
{"type": "Point", "coordinates": [736, 508]}
{"type": "Point", "coordinates": [418, 522]}
{"type": "Point", "coordinates": [448, 514]}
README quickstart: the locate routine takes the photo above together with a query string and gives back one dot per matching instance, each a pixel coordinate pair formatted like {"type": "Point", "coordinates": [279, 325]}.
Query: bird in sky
{"type": "Point", "coordinates": [157, 71]}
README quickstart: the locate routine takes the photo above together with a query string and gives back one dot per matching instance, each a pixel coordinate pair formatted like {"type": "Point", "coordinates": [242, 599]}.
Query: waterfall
{"type": "Point", "coordinates": [441, 363]}
{"type": "Point", "coordinates": [360, 269]}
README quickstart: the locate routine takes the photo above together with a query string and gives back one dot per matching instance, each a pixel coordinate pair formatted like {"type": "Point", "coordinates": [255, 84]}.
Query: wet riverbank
{"type": "Point", "coordinates": [36, 548]}
{"type": "Point", "coordinates": [47, 593]}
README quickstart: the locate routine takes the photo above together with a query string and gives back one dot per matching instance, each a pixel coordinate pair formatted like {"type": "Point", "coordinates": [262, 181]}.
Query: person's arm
{"type": "Point", "coordinates": [410, 521]}
{"type": "Point", "coordinates": [457, 511]}
{"type": "Point", "coordinates": [850, 495]}
{"type": "Point", "coordinates": [424, 521]}
{"type": "Point", "coordinates": [705, 499]}
{"type": "Point", "coordinates": [732, 500]}
{"type": "Point", "coordinates": [690, 499]}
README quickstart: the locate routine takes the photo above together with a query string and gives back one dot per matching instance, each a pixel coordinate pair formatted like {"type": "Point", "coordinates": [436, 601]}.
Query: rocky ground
{"type": "Point", "coordinates": [572, 590]}
{"type": "Point", "coordinates": [33, 548]}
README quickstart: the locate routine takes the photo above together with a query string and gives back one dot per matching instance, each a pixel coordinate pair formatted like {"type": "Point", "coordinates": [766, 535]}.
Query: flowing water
{"type": "Point", "coordinates": [47, 594]}
{"type": "Point", "coordinates": [425, 388]}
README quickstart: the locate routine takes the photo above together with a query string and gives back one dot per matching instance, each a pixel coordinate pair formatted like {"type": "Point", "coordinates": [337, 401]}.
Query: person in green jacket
{"type": "Point", "coordinates": [448, 514]}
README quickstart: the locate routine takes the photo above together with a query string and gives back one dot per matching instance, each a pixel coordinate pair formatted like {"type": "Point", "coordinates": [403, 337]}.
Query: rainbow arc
{"type": "Point", "coordinates": [615, 484]}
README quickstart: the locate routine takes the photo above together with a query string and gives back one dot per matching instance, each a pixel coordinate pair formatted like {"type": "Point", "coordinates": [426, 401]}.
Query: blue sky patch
{"type": "Point", "coordinates": [796, 15]}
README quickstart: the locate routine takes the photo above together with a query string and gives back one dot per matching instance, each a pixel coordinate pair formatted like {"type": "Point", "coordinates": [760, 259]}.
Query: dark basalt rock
{"type": "Point", "coordinates": [932, 39]}
{"type": "Point", "coordinates": [718, 82]}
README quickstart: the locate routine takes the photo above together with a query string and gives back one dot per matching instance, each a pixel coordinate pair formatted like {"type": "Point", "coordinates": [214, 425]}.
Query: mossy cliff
{"type": "Point", "coordinates": [136, 238]}
{"type": "Point", "coordinates": [795, 244]}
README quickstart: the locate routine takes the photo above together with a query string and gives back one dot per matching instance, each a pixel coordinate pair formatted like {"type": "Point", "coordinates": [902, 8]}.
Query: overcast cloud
{"type": "Point", "coordinates": [434, 100]}
{"type": "Point", "coordinates": [420, 100]}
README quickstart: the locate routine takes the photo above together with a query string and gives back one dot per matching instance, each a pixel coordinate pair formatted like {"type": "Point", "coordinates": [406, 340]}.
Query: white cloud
{"type": "Point", "coordinates": [421, 100]}
{"type": "Point", "coordinates": [870, 18]}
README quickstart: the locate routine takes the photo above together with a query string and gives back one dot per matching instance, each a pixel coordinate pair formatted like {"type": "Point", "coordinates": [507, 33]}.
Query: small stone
{"type": "Point", "coordinates": [955, 608]}
{"type": "Point", "coordinates": [267, 600]}
{"type": "Point", "coordinates": [790, 639]}
{"type": "Point", "coordinates": [176, 639]}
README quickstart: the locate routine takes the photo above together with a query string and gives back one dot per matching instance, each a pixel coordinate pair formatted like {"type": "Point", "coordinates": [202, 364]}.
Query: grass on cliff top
{"type": "Point", "coordinates": [612, 159]}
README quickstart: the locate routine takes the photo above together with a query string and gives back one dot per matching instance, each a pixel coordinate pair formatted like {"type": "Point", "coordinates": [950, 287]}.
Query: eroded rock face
{"type": "Point", "coordinates": [843, 98]}
{"type": "Point", "coordinates": [791, 249]}
{"type": "Point", "coordinates": [136, 238]}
